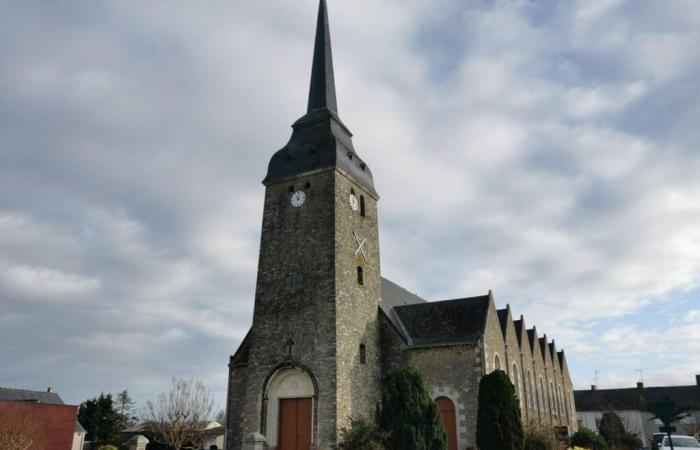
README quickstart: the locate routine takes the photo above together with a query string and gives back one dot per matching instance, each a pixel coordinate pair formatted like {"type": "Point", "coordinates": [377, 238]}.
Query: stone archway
{"type": "Point", "coordinates": [450, 394]}
{"type": "Point", "coordinates": [289, 413]}
{"type": "Point", "coordinates": [449, 420]}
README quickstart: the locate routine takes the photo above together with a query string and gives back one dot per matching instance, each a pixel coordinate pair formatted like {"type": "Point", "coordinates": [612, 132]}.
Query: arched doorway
{"type": "Point", "coordinates": [447, 412]}
{"type": "Point", "coordinates": [289, 416]}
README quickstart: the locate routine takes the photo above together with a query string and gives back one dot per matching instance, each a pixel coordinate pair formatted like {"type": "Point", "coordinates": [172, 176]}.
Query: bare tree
{"type": "Point", "coordinates": [179, 417]}
{"type": "Point", "coordinates": [221, 417]}
{"type": "Point", "coordinates": [19, 430]}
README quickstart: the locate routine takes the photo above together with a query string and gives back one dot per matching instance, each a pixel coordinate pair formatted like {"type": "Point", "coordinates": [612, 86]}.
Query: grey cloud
{"type": "Point", "coordinates": [135, 137]}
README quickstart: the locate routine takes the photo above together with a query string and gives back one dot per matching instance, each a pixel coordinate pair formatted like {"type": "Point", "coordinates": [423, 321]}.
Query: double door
{"type": "Point", "coordinates": [294, 424]}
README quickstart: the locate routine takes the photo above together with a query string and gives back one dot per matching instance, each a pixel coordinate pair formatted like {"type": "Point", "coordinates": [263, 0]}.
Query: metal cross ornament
{"type": "Point", "coordinates": [360, 246]}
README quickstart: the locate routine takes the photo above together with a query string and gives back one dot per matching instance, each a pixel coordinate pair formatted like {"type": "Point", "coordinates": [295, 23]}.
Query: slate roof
{"type": "Point", "coordinates": [503, 320]}
{"type": "Point", "coordinates": [22, 395]}
{"type": "Point", "coordinates": [531, 336]}
{"type": "Point", "coordinates": [687, 398]}
{"type": "Point", "coordinates": [240, 358]}
{"type": "Point", "coordinates": [519, 325]}
{"type": "Point", "coordinates": [543, 346]}
{"type": "Point", "coordinates": [448, 322]}
{"type": "Point", "coordinates": [395, 295]}
{"type": "Point", "coordinates": [320, 140]}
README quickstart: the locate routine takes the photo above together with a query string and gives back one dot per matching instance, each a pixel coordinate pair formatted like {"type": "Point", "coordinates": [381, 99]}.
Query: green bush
{"type": "Point", "coordinates": [611, 428]}
{"type": "Point", "coordinates": [361, 435]}
{"type": "Point", "coordinates": [107, 447]}
{"type": "Point", "coordinates": [408, 415]}
{"type": "Point", "coordinates": [498, 425]}
{"type": "Point", "coordinates": [588, 439]}
{"type": "Point", "coordinates": [540, 440]}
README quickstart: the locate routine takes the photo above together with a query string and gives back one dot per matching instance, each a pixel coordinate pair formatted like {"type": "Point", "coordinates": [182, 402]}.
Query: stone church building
{"type": "Point", "coordinates": [327, 326]}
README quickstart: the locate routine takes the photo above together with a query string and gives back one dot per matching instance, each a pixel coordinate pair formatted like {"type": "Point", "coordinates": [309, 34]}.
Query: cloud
{"type": "Point", "coordinates": [545, 152]}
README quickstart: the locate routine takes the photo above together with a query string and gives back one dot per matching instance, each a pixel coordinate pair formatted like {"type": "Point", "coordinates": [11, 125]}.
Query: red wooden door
{"type": "Point", "coordinates": [294, 424]}
{"type": "Point", "coordinates": [447, 412]}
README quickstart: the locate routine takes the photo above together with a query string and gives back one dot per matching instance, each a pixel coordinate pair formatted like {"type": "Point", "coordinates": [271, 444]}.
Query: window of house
{"type": "Point", "coordinates": [496, 362]}
{"type": "Point", "coordinates": [363, 354]}
{"type": "Point", "coordinates": [362, 205]}
{"type": "Point", "coordinates": [360, 276]}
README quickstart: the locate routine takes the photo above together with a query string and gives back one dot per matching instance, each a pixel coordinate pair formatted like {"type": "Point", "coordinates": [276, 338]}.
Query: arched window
{"type": "Point", "coordinates": [496, 362]}
{"type": "Point", "coordinates": [552, 402]}
{"type": "Point", "coordinates": [516, 383]}
{"type": "Point", "coordinates": [363, 354]}
{"type": "Point", "coordinates": [542, 395]}
{"type": "Point", "coordinates": [360, 276]}
{"type": "Point", "coordinates": [530, 398]}
{"type": "Point", "coordinates": [362, 205]}
{"type": "Point", "coordinates": [562, 409]}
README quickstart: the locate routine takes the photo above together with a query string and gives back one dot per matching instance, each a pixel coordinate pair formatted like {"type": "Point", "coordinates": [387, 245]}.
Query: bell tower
{"type": "Point", "coordinates": [311, 359]}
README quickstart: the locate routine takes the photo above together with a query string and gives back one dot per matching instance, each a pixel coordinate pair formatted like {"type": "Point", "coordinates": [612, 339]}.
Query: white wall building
{"type": "Point", "coordinates": [632, 405]}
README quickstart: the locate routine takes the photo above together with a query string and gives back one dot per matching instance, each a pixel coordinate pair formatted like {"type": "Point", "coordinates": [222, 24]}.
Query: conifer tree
{"type": "Point", "coordinates": [498, 424]}
{"type": "Point", "coordinates": [611, 428]}
{"type": "Point", "coordinates": [101, 421]}
{"type": "Point", "coordinates": [408, 414]}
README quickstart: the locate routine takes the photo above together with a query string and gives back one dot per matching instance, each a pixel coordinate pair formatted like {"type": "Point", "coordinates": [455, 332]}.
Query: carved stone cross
{"type": "Point", "coordinates": [290, 347]}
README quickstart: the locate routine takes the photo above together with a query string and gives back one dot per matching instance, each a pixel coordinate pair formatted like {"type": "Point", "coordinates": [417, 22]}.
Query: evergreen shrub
{"type": "Point", "coordinates": [588, 439]}
{"type": "Point", "coordinates": [408, 415]}
{"type": "Point", "coordinates": [540, 440]}
{"type": "Point", "coordinates": [498, 424]}
{"type": "Point", "coordinates": [611, 428]}
{"type": "Point", "coordinates": [361, 435]}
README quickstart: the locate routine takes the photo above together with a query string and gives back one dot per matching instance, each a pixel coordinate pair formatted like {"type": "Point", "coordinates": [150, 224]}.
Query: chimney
{"type": "Point", "coordinates": [48, 389]}
{"type": "Point", "coordinates": [640, 386]}
{"type": "Point", "coordinates": [594, 387]}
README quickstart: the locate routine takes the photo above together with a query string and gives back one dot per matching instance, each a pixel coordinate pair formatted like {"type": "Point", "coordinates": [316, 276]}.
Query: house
{"type": "Point", "coordinates": [214, 433]}
{"type": "Point", "coordinates": [42, 417]}
{"type": "Point", "coordinates": [632, 405]}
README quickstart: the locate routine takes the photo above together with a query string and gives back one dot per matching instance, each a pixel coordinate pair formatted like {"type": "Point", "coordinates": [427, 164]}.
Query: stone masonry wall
{"type": "Point", "coordinates": [539, 379]}
{"type": "Point", "coordinates": [529, 381]}
{"type": "Point", "coordinates": [515, 365]}
{"type": "Point", "coordinates": [357, 304]}
{"type": "Point", "coordinates": [493, 340]}
{"type": "Point", "coordinates": [294, 299]}
{"type": "Point", "coordinates": [453, 372]}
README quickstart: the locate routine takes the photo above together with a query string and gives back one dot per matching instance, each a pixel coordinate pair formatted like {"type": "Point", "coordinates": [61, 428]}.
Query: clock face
{"type": "Point", "coordinates": [298, 199]}
{"type": "Point", "coordinates": [353, 202]}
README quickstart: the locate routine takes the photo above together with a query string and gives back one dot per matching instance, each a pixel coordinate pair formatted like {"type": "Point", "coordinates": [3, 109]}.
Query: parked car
{"type": "Point", "coordinates": [656, 439]}
{"type": "Point", "coordinates": [680, 443]}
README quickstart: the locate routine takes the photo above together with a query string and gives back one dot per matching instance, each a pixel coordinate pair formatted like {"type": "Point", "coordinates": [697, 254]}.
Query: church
{"type": "Point", "coordinates": [326, 325]}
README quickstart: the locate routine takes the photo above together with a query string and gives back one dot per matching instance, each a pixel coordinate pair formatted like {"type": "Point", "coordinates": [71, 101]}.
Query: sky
{"type": "Point", "coordinates": [547, 151]}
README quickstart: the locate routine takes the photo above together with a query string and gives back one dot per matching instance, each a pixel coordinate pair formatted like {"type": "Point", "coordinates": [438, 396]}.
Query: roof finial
{"type": "Point", "coordinates": [322, 91]}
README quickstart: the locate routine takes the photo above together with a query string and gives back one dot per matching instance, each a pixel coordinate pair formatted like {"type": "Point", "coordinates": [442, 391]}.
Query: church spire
{"type": "Point", "coordinates": [322, 90]}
